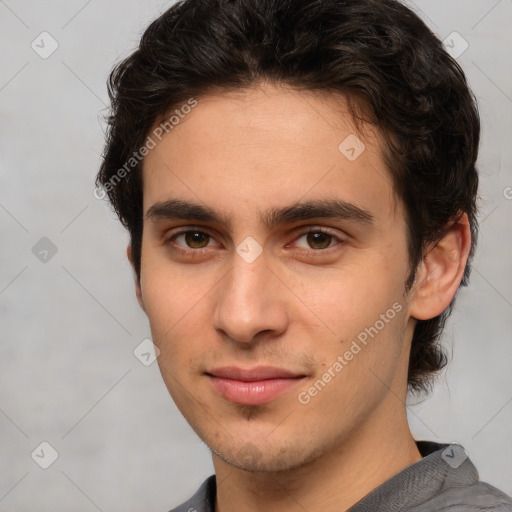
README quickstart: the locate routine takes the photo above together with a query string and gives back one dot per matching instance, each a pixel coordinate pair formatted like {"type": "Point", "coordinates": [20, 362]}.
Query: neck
{"type": "Point", "coordinates": [335, 480]}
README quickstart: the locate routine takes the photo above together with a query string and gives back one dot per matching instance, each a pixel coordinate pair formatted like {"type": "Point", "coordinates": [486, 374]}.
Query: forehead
{"type": "Point", "coordinates": [268, 146]}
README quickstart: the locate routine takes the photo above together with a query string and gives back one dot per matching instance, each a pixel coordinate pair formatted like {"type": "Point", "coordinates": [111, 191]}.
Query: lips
{"type": "Point", "coordinates": [254, 386]}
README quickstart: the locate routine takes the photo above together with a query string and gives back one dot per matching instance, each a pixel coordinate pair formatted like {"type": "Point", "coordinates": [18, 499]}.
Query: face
{"type": "Point", "coordinates": [274, 259]}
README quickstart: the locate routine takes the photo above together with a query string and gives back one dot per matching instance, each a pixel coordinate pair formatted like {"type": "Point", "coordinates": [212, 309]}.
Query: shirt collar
{"type": "Point", "coordinates": [443, 466]}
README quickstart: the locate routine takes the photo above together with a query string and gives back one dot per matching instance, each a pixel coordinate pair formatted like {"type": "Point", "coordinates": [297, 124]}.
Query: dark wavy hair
{"type": "Point", "coordinates": [378, 53]}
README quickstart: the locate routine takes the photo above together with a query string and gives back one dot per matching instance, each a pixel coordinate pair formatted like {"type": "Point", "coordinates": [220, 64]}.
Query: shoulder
{"type": "Point", "coordinates": [203, 500]}
{"type": "Point", "coordinates": [477, 497]}
{"type": "Point", "coordinates": [444, 480]}
{"type": "Point", "coordinates": [462, 489]}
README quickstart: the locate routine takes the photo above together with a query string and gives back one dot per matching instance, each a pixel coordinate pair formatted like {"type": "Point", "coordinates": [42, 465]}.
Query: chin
{"type": "Point", "coordinates": [251, 457]}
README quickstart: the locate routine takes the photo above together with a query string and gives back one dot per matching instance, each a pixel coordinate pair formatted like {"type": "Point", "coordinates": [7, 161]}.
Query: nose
{"type": "Point", "coordinates": [250, 302]}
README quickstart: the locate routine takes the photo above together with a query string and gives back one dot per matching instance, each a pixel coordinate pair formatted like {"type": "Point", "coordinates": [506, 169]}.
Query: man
{"type": "Point", "coordinates": [298, 180]}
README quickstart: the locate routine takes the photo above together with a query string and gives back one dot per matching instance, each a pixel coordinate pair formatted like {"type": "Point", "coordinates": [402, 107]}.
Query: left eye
{"type": "Point", "coordinates": [317, 240]}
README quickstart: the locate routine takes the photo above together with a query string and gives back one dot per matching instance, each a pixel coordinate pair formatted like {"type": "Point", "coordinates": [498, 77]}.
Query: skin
{"type": "Point", "coordinates": [298, 306]}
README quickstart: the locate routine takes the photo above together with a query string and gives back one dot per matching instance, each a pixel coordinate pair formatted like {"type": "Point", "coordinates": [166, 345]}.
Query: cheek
{"type": "Point", "coordinates": [351, 298]}
{"type": "Point", "coordinates": [365, 312]}
{"type": "Point", "coordinates": [173, 326]}
{"type": "Point", "coordinates": [179, 305]}
{"type": "Point", "coordinates": [356, 373]}
{"type": "Point", "coordinates": [166, 303]}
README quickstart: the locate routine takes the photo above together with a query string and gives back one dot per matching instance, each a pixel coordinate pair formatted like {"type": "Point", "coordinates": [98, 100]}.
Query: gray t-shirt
{"type": "Point", "coordinates": [443, 480]}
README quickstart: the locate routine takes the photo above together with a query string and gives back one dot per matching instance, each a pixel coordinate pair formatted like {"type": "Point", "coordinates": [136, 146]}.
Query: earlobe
{"type": "Point", "coordinates": [138, 290]}
{"type": "Point", "coordinates": [441, 271]}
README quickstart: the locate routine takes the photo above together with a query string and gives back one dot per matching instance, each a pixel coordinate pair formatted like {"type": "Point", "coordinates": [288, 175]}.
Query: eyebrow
{"type": "Point", "coordinates": [321, 208]}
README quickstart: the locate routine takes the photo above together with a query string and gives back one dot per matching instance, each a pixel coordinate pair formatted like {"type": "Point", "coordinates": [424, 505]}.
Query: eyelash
{"type": "Point", "coordinates": [169, 240]}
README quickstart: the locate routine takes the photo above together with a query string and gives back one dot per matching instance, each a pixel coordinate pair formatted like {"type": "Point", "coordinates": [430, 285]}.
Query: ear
{"type": "Point", "coordinates": [138, 291]}
{"type": "Point", "coordinates": [439, 274]}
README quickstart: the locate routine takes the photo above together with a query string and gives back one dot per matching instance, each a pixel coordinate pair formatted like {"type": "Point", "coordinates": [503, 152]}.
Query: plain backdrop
{"type": "Point", "coordinates": [70, 321]}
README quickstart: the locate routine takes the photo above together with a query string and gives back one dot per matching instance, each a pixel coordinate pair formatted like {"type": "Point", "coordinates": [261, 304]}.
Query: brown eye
{"type": "Point", "coordinates": [196, 239]}
{"type": "Point", "coordinates": [319, 240]}
{"type": "Point", "coordinates": [192, 239]}
{"type": "Point", "coordinates": [316, 240]}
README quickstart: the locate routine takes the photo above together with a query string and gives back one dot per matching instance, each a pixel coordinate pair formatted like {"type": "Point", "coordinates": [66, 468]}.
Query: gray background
{"type": "Point", "coordinates": [70, 324]}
